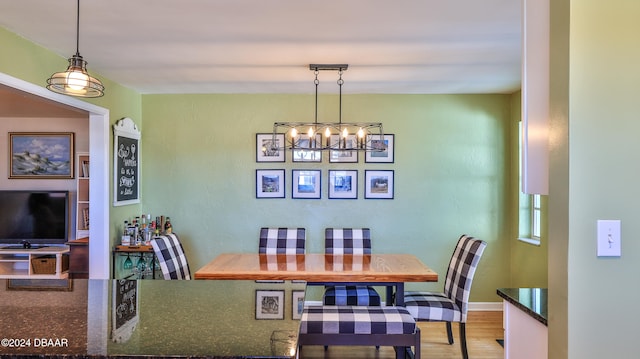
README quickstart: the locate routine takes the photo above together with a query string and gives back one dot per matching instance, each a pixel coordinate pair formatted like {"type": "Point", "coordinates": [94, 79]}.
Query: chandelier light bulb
{"type": "Point", "coordinates": [77, 81]}
{"type": "Point", "coordinates": [345, 133]}
{"type": "Point", "coordinates": [294, 133]}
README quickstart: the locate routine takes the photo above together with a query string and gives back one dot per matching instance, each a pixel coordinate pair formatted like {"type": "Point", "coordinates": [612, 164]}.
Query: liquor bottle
{"type": "Point", "coordinates": [167, 226]}
{"type": "Point", "coordinates": [137, 235]}
{"type": "Point", "coordinates": [126, 239]}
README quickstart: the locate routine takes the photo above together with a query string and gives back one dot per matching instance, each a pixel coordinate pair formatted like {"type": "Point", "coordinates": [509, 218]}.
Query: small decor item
{"type": "Point", "coordinates": [269, 183]}
{"type": "Point", "coordinates": [303, 152]}
{"type": "Point", "coordinates": [44, 155]}
{"type": "Point", "coordinates": [347, 152]}
{"type": "Point", "coordinates": [385, 156]}
{"type": "Point", "coordinates": [306, 184]}
{"type": "Point", "coordinates": [378, 184]}
{"type": "Point", "coordinates": [126, 162]}
{"type": "Point", "coordinates": [269, 304]}
{"type": "Point", "coordinates": [297, 304]}
{"type": "Point", "coordinates": [343, 184]}
{"type": "Point", "coordinates": [269, 148]}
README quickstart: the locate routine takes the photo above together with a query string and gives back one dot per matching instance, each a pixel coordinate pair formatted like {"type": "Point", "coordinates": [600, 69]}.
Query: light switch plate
{"type": "Point", "coordinates": [609, 238]}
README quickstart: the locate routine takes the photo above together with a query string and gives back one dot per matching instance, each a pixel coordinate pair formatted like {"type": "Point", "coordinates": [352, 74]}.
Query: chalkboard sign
{"type": "Point", "coordinates": [124, 309]}
{"type": "Point", "coordinates": [126, 159]}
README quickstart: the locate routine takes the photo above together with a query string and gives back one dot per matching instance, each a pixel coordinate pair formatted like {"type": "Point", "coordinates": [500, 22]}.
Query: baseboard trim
{"type": "Point", "coordinates": [473, 306]}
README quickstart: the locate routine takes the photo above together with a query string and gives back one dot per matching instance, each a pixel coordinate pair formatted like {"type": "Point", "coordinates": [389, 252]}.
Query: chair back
{"type": "Point", "coordinates": [347, 241]}
{"type": "Point", "coordinates": [171, 257]}
{"type": "Point", "coordinates": [282, 240]}
{"type": "Point", "coordinates": [462, 268]}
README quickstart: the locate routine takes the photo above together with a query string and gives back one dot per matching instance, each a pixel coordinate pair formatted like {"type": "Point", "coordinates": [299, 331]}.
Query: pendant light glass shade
{"type": "Point", "coordinates": [76, 81]}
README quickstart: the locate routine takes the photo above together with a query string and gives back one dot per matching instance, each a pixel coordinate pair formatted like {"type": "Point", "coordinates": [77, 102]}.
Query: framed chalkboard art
{"type": "Point", "coordinates": [125, 309]}
{"type": "Point", "coordinates": [126, 162]}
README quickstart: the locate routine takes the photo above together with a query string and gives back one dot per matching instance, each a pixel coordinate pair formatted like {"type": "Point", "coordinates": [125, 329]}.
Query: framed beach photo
{"type": "Point", "coordinates": [304, 151]}
{"type": "Point", "coordinates": [41, 155]}
{"type": "Point", "coordinates": [270, 148]}
{"type": "Point", "coordinates": [384, 156]}
{"type": "Point", "coordinates": [297, 303]}
{"type": "Point", "coordinates": [306, 184]}
{"type": "Point", "coordinates": [345, 154]}
{"type": "Point", "coordinates": [269, 183]}
{"type": "Point", "coordinates": [269, 304]}
{"type": "Point", "coordinates": [343, 184]}
{"type": "Point", "coordinates": [378, 184]}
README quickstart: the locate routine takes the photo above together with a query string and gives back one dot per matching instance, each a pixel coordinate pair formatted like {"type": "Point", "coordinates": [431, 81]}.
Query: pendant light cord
{"type": "Point", "coordinates": [78, 29]}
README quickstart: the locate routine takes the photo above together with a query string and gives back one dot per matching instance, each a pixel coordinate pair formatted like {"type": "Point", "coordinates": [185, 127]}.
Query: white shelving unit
{"type": "Point", "coordinates": [16, 263]}
{"type": "Point", "coordinates": [82, 195]}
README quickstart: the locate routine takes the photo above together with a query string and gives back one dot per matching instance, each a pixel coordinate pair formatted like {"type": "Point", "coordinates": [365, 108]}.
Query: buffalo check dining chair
{"type": "Point", "coordinates": [282, 240]}
{"type": "Point", "coordinates": [451, 305]}
{"type": "Point", "coordinates": [171, 257]}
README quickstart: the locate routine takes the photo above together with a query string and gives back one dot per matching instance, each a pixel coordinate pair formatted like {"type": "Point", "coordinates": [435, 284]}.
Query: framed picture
{"type": "Point", "coordinates": [41, 155]}
{"type": "Point", "coordinates": [378, 184]}
{"type": "Point", "coordinates": [126, 162]}
{"type": "Point", "coordinates": [269, 304]}
{"type": "Point", "coordinates": [304, 153]}
{"type": "Point", "coordinates": [385, 156]}
{"type": "Point", "coordinates": [297, 303]}
{"type": "Point", "coordinates": [125, 310]}
{"type": "Point", "coordinates": [306, 184]}
{"type": "Point", "coordinates": [343, 155]}
{"type": "Point", "coordinates": [269, 183]}
{"type": "Point", "coordinates": [270, 148]}
{"type": "Point", "coordinates": [343, 184]}
{"type": "Point", "coordinates": [61, 285]}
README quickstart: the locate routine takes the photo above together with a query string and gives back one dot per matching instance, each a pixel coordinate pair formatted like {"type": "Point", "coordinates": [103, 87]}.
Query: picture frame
{"type": "Point", "coordinates": [264, 153]}
{"type": "Point", "coordinates": [343, 156]}
{"type": "Point", "coordinates": [126, 162]}
{"type": "Point", "coordinates": [343, 184]}
{"type": "Point", "coordinates": [41, 155]}
{"type": "Point", "coordinates": [270, 304]}
{"type": "Point", "coordinates": [300, 154]}
{"type": "Point", "coordinates": [378, 184]}
{"type": "Point", "coordinates": [306, 184]}
{"type": "Point", "coordinates": [58, 285]}
{"type": "Point", "coordinates": [270, 183]}
{"type": "Point", "coordinates": [125, 309]}
{"type": "Point", "coordinates": [297, 303]}
{"type": "Point", "coordinates": [386, 156]}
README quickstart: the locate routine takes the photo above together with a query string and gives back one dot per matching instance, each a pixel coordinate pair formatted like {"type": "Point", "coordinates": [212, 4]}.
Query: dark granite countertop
{"type": "Point", "coordinates": [532, 301]}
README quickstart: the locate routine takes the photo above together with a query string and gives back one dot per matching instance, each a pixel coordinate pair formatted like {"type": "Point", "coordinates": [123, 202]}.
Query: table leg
{"type": "Point", "coordinates": [400, 294]}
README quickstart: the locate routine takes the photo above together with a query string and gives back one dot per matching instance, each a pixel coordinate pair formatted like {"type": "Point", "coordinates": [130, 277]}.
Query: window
{"type": "Point", "coordinates": [535, 216]}
{"type": "Point", "coordinates": [530, 212]}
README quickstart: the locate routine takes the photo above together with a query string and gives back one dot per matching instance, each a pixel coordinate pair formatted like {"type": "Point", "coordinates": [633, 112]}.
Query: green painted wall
{"type": "Point", "coordinates": [451, 166]}
{"type": "Point", "coordinates": [594, 171]}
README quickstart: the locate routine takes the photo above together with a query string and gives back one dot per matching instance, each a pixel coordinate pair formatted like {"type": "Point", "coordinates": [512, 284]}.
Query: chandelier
{"type": "Point", "coordinates": [328, 136]}
{"type": "Point", "coordinates": [75, 81]}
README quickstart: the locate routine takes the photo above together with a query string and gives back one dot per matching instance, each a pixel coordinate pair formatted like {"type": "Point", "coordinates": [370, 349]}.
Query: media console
{"type": "Point", "coordinates": [16, 263]}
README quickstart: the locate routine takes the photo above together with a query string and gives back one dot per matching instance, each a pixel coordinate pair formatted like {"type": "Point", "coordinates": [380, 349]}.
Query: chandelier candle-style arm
{"type": "Point", "coordinates": [334, 136]}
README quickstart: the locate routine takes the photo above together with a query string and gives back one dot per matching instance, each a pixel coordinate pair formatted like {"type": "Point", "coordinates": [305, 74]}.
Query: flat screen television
{"type": "Point", "coordinates": [38, 217]}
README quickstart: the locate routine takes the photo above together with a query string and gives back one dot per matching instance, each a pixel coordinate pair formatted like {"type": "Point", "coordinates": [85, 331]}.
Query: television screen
{"type": "Point", "coordinates": [39, 217]}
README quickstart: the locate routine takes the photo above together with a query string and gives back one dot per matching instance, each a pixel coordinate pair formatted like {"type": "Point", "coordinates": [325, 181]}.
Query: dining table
{"type": "Point", "coordinates": [389, 270]}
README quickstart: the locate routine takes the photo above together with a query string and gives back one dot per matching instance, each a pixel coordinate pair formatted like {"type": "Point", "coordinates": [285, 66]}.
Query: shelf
{"type": "Point", "coordinates": [82, 195]}
{"type": "Point", "coordinates": [16, 263]}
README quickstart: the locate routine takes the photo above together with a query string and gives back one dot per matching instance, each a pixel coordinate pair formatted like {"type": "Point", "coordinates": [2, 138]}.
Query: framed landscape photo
{"type": "Point", "coordinates": [343, 184]}
{"type": "Point", "coordinates": [269, 183]}
{"type": "Point", "coordinates": [41, 155]}
{"type": "Point", "coordinates": [306, 184]}
{"type": "Point", "coordinates": [297, 303]}
{"type": "Point", "coordinates": [304, 152]}
{"type": "Point", "coordinates": [378, 184]}
{"type": "Point", "coordinates": [269, 304]}
{"type": "Point", "coordinates": [344, 155]}
{"type": "Point", "coordinates": [385, 156]}
{"type": "Point", "coordinates": [270, 148]}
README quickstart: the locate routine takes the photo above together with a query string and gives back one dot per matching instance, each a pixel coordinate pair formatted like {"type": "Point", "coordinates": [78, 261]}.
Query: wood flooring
{"type": "Point", "coordinates": [483, 328]}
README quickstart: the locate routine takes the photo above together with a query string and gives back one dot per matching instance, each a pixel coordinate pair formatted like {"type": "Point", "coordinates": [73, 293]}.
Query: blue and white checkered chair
{"type": "Point", "coordinates": [452, 305]}
{"type": "Point", "coordinates": [282, 241]}
{"type": "Point", "coordinates": [171, 257]}
{"type": "Point", "coordinates": [349, 241]}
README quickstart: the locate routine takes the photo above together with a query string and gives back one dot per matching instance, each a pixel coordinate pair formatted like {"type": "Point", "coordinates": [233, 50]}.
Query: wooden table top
{"type": "Point", "coordinates": [318, 268]}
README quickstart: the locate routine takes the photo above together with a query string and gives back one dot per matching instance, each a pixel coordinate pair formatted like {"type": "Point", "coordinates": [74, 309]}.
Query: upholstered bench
{"type": "Point", "coordinates": [359, 325]}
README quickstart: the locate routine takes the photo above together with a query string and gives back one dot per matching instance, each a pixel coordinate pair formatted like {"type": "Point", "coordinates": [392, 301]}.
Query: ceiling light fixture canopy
{"type": "Point", "coordinates": [333, 136]}
{"type": "Point", "coordinates": [76, 81]}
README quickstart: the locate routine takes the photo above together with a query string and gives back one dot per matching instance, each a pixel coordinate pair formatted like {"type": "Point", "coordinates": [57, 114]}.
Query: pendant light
{"type": "Point", "coordinates": [76, 81]}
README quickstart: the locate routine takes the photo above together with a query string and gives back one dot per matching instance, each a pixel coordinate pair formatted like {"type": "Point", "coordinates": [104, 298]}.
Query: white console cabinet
{"type": "Point", "coordinates": [16, 263]}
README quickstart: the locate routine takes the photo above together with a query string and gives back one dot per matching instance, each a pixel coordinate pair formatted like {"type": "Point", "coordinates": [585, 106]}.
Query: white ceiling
{"type": "Point", "coordinates": [265, 46]}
